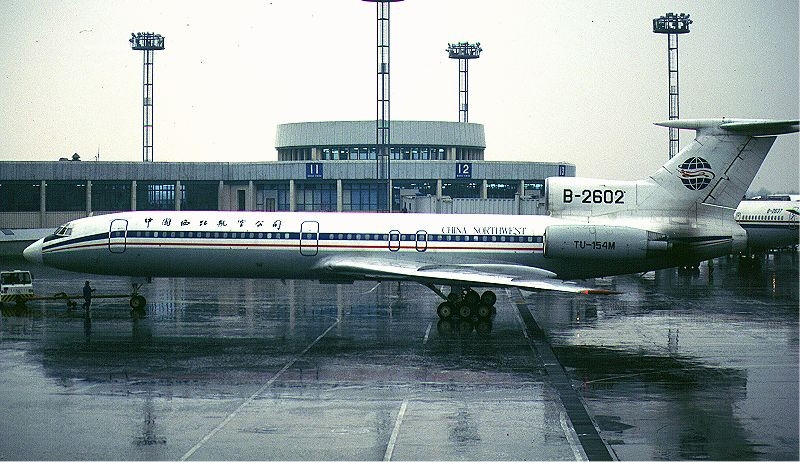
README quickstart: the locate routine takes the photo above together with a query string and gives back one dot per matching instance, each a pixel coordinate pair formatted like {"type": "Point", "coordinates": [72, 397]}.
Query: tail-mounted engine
{"type": "Point", "coordinates": [598, 242]}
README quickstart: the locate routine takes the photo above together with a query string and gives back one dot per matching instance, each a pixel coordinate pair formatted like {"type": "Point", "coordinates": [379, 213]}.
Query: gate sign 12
{"type": "Point", "coordinates": [463, 170]}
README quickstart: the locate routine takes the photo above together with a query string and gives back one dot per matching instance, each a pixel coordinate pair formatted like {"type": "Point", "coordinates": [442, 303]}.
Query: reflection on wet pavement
{"type": "Point", "coordinates": [680, 366]}
{"type": "Point", "coordinates": [683, 366]}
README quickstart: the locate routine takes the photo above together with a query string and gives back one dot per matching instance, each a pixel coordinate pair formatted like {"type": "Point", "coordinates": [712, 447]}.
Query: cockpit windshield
{"type": "Point", "coordinates": [64, 230]}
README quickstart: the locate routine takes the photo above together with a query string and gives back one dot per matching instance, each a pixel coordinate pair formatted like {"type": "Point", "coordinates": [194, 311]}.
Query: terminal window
{"type": "Point", "coordinates": [501, 189]}
{"type": "Point", "coordinates": [364, 196]}
{"type": "Point", "coordinates": [111, 196]}
{"type": "Point", "coordinates": [65, 196]}
{"type": "Point", "coordinates": [19, 196]}
{"type": "Point", "coordinates": [200, 195]}
{"type": "Point", "coordinates": [461, 189]}
{"type": "Point", "coordinates": [316, 197]}
{"type": "Point", "coordinates": [271, 197]}
{"type": "Point", "coordinates": [156, 196]}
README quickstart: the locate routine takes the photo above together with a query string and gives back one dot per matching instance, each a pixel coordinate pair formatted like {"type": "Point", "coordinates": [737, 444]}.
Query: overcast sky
{"type": "Point", "coordinates": [575, 81]}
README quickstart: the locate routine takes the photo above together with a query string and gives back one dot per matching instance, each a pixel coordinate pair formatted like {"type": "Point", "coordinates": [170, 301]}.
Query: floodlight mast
{"type": "Point", "coordinates": [383, 117]}
{"type": "Point", "coordinates": [148, 42]}
{"type": "Point", "coordinates": [463, 52]}
{"type": "Point", "coordinates": [673, 25]}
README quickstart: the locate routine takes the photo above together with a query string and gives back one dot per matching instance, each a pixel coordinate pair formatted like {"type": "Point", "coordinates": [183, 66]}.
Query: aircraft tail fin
{"type": "Point", "coordinates": [706, 180]}
{"type": "Point", "coordinates": [719, 165]}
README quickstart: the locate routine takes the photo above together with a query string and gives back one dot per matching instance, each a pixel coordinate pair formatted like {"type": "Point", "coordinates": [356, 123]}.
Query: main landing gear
{"type": "Point", "coordinates": [465, 303]}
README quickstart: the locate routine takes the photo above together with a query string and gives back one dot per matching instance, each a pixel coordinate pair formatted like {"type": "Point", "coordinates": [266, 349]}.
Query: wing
{"type": "Point", "coordinates": [480, 275]}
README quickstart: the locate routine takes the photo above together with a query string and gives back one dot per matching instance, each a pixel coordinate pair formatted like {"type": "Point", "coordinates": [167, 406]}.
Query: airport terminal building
{"type": "Point", "coordinates": [322, 166]}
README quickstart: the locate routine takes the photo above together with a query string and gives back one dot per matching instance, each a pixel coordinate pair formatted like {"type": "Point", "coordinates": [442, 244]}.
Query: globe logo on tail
{"type": "Point", "coordinates": [695, 173]}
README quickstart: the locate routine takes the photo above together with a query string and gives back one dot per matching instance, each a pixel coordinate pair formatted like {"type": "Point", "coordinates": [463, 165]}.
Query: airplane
{"type": "Point", "coordinates": [770, 223]}
{"type": "Point", "coordinates": [681, 214]}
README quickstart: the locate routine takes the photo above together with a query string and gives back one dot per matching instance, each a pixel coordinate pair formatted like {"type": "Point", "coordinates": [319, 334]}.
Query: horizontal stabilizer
{"type": "Point", "coordinates": [762, 127]}
{"type": "Point", "coordinates": [748, 127]}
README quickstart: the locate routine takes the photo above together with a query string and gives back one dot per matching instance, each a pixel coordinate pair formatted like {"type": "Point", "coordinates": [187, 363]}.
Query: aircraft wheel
{"type": "Point", "coordinates": [465, 311]}
{"type": "Point", "coordinates": [138, 302]}
{"type": "Point", "coordinates": [471, 298]}
{"type": "Point", "coordinates": [484, 311]}
{"type": "Point", "coordinates": [445, 310]}
{"type": "Point", "coordinates": [488, 298]}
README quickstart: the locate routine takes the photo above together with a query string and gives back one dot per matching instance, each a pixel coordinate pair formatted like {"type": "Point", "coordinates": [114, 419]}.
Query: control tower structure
{"type": "Point", "coordinates": [148, 42]}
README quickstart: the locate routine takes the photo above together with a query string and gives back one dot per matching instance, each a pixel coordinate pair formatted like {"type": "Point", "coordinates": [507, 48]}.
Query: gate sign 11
{"type": "Point", "coordinates": [463, 170]}
{"type": "Point", "coordinates": [313, 170]}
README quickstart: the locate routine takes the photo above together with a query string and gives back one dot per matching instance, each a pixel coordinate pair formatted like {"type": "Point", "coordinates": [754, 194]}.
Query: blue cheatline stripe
{"type": "Point", "coordinates": [435, 241]}
{"type": "Point", "coordinates": [77, 240]}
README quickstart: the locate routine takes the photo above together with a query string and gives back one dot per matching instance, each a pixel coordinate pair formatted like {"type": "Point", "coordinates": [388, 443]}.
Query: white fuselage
{"type": "Point", "coordinates": [296, 245]}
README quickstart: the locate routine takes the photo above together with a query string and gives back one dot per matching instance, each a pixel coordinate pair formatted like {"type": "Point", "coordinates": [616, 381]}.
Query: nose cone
{"type": "Point", "coordinates": [33, 253]}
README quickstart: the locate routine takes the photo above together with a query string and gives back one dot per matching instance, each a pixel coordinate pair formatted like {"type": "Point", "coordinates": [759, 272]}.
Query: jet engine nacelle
{"type": "Point", "coordinates": [599, 242]}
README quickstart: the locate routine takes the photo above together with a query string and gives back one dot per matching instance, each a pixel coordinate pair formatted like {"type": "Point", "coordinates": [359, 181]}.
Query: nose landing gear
{"type": "Point", "coordinates": [138, 303]}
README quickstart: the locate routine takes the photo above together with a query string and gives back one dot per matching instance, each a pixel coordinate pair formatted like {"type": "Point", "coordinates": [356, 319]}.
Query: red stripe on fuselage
{"type": "Point", "coordinates": [295, 245]}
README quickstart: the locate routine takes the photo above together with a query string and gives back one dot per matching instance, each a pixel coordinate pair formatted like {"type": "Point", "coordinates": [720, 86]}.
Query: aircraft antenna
{"type": "Point", "coordinates": [463, 52]}
{"type": "Point", "coordinates": [148, 42]}
{"type": "Point", "coordinates": [673, 25]}
{"type": "Point", "coordinates": [383, 117]}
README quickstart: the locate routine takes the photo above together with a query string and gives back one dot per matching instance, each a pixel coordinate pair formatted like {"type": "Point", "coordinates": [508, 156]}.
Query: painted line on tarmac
{"type": "Point", "coordinates": [249, 400]}
{"type": "Point", "coordinates": [393, 439]}
{"type": "Point", "coordinates": [572, 438]}
{"type": "Point", "coordinates": [427, 333]}
{"type": "Point", "coordinates": [579, 421]}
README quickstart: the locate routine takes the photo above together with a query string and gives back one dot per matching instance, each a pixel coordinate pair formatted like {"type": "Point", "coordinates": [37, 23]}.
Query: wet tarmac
{"type": "Point", "coordinates": [680, 366]}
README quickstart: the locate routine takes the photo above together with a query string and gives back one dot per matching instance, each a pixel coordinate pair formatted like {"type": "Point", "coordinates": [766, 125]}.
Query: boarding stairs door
{"type": "Point", "coordinates": [117, 236]}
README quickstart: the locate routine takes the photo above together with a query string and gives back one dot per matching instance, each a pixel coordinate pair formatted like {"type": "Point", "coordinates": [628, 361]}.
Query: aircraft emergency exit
{"type": "Point", "coordinates": [681, 214]}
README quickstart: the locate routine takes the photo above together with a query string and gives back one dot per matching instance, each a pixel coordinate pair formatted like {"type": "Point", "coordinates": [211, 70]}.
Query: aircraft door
{"type": "Point", "coordinates": [117, 236]}
{"type": "Point", "coordinates": [422, 241]}
{"type": "Point", "coordinates": [309, 238]}
{"type": "Point", "coordinates": [394, 240]}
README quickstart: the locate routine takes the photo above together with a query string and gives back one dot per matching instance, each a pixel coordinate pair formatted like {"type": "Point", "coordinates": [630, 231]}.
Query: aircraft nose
{"type": "Point", "coordinates": [33, 253]}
